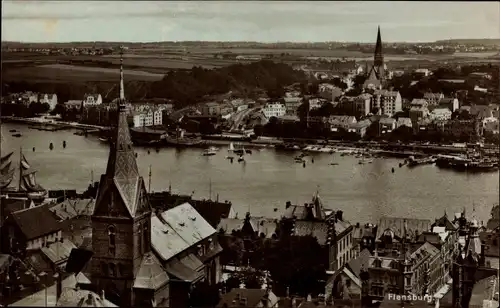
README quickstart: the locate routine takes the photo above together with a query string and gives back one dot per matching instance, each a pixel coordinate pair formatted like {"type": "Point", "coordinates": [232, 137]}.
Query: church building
{"type": "Point", "coordinates": [134, 262]}
{"type": "Point", "coordinates": [377, 75]}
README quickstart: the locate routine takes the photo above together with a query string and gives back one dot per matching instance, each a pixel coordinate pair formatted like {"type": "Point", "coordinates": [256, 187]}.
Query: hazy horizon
{"type": "Point", "coordinates": [234, 21]}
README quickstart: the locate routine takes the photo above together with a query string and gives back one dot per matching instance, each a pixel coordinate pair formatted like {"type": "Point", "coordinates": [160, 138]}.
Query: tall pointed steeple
{"type": "Point", "coordinates": [378, 58]}
{"type": "Point", "coordinates": [122, 171]}
{"type": "Point", "coordinates": [122, 87]}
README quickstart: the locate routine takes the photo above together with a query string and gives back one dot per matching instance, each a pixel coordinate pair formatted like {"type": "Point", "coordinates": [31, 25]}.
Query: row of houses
{"type": "Point", "coordinates": [30, 97]}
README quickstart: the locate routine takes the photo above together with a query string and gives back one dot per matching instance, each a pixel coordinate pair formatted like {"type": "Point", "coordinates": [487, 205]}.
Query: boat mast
{"type": "Point", "coordinates": [20, 167]}
{"type": "Point", "coordinates": [210, 190]}
{"type": "Point", "coordinates": [149, 180]}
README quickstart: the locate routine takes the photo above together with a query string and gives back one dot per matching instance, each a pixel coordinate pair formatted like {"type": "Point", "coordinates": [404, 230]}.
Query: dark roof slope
{"type": "Point", "coordinates": [36, 222]}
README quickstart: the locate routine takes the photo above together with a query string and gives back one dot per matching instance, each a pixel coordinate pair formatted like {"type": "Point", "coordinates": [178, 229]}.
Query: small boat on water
{"type": "Point", "coordinates": [209, 152]}
{"type": "Point", "coordinates": [413, 162]}
{"type": "Point", "coordinates": [102, 139]}
{"type": "Point", "coordinates": [17, 135]}
{"type": "Point", "coordinates": [241, 159]}
{"type": "Point", "coordinates": [365, 161]}
{"type": "Point", "coordinates": [12, 131]}
{"type": "Point", "coordinates": [333, 164]}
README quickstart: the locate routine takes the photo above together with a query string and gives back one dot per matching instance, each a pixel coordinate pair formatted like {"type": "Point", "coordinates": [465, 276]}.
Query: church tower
{"type": "Point", "coordinates": [121, 222]}
{"type": "Point", "coordinates": [378, 59]}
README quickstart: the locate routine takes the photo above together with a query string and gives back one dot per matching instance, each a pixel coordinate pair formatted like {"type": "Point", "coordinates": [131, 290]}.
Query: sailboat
{"type": "Point", "coordinates": [230, 151]}
{"type": "Point", "coordinates": [27, 180]}
{"type": "Point", "coordinates": [6, 172]}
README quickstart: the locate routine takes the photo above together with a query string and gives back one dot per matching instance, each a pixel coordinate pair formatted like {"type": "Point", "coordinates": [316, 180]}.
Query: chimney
{"type": "Point", "coordinates": [339, 215]}
{"type": "Point", "coordinates": [288, 204]}
{"type": "Point", "coordinates": [58, 278]}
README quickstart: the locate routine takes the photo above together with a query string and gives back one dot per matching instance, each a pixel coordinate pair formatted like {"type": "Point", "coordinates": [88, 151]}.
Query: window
{"type": "Point", "coordinates": [112, 239]}
{"type": "Point", "coordinates": [104, 268]}
{"type": "Point", "coordinates": [112, 269]}
{"type": "Point", "coordinates": [145, 235]}
{"type": "Point", "coordinates": [121, 270]}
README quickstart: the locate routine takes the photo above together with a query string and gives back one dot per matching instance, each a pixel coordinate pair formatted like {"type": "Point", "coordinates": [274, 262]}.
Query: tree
{"type": "Point", "coordinates": [258, 130]}
{"type": "Point", "coordinates": [204, 295]}
{"type": "Point", "coordinates": [297, 262]}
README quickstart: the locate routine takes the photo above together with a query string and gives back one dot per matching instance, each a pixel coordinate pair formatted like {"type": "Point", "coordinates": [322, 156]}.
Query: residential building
{"type": "Point", "coordinates": [92, 100]}
{"type": "Point", "coordinates": [292, 104]}
{"type": "Point", "coordinates": [210, 109]}
{"type": "Point", "coordinates": [226, 109]}
{"type": "Point", "coordinates": [50, 99]}
{"type": "Point", "coordinates": [399, 264]}
{"type": "Point", "coordinates": [419, 102]}
{"type": "Point", "coordinates": [450, 103]}
{"type": "Point", "coordinates": [330, 229]}
{"type": "Point", "coordinates": [386, 125]}
{"type": "Point", "coordinates": [491, 125]}
{"type": "Point", "coordinates": [76, 104]}
{"type": "Point", "coordinates": [289, 119]}
{"type": "Point", "coordinates": [364, 237]}
{"type": "Point", "coordinates": [274, 110]}
{"type": "Point", "coordinates": [403, 122]}
{"type": "Point", "coordinates": [360, 127]}
{"type": "Point", "coordinates": [418, 113]}
{"type": "Point", "coordinates": [358, 106]}
{"type": "Point", "coordinates": [433, 98]}
{"type": "Point", "coordinates": [491, 241]}
{"type": "Point", "coordinates": [315, 103]}
{"type": "Point", "coordinates": [440, 114]}
{"type": "Point", "coordinates": [147, 115]}
{"type": "Point", "coordinates": [249, 298]}
{"type": "Point", "coordinates": [422, 72]}
{"type": "Point", "coordinates": [387, 102]}
{"type": "Point", "coordinates": [345, 284]}
{"type": "Point", "coordinates": [29, 229]}
{"type": "Point", "coordinates": [343, 122]}
{"type": "Point", "coordinates": [329, 92]}
{"type": "Point", "coordinates": [481, 112]}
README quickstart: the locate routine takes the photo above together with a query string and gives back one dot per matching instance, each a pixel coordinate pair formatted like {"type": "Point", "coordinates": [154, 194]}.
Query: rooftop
{"type": "Point", "coordinates": [36, 222]}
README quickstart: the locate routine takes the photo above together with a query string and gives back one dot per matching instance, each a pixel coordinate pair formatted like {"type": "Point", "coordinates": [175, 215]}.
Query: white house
{"type": "Point", "coordinates": [148, 115]}
{"type": "Point", "coordinates": [92, 100]}
{"type": "Point", "coordinates": [274, 110]}
{"type": "Point", "coordinates": [440, 114]}
{"type": "Point", "coordinates": [50, 99]}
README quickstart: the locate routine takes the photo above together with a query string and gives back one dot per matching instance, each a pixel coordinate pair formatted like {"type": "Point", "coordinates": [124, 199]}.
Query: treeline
{"type": "Point", "coordinates": [189, 87]}
{"type": "Point", "coordinates": [184, 88]}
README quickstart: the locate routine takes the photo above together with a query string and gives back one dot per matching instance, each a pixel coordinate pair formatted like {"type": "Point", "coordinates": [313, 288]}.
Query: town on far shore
{"type": "Point", "coordinates": [120, 244]}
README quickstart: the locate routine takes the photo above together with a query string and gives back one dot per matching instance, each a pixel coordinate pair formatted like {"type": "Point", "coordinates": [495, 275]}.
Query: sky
{"type": "Point", "coordinates": [269, 21]}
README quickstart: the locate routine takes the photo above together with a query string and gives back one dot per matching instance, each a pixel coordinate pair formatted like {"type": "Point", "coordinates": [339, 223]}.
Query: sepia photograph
{"type": "Point", "coordinates": [244, 154]}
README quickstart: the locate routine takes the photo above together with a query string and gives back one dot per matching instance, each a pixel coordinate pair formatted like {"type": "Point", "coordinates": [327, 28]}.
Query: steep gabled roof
{"type": "Point", "coordinates": [36, 222]}
{"type": "Point", "coordinates": [122, 172]}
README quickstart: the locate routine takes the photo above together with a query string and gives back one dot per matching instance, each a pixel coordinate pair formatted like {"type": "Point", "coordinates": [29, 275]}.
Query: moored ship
{"type": "Point", "coordinates": [413, 162]}
{"type": "Point", "coordinates": [180, 141]}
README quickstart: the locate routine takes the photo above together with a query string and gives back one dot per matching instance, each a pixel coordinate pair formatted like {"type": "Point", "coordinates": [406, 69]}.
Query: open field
{"type": "Point", "coordinates": [150, 64]}
{"type": "Point", "coordinates": [65, 73]}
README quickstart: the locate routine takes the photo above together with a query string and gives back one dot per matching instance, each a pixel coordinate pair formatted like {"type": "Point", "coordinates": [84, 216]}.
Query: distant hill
{"type": "Point", "coordinates": [489, 42]}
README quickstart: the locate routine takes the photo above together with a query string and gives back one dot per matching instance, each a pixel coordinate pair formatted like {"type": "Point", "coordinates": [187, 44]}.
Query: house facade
{"type": "Point", "coordinates": [387, 102]}
{"type": "Point", "coordinates": [50, 99]}
{"type": "Point", "coordinates": [274, 110]}
{"type": "Point", "coordinates": [29, 229]}
{"type": "Point", "coordinates": [92, 100]}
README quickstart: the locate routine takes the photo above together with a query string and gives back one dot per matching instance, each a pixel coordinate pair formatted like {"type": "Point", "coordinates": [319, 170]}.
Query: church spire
{"type": "Point", "coordinates": [379, 58]}
{"type": "Point", "coordinates": [122, 87]}
{"type": "Point", "coordinates": [122, 171]}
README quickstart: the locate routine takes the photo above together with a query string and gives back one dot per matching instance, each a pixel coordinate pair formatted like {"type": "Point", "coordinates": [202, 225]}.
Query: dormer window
{"type": "Point", "coordinates": [112, 239]}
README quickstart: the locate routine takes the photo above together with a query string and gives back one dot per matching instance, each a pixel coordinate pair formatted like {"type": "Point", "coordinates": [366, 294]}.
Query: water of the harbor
{"type": "Point", "coordinates": [268, 178]}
